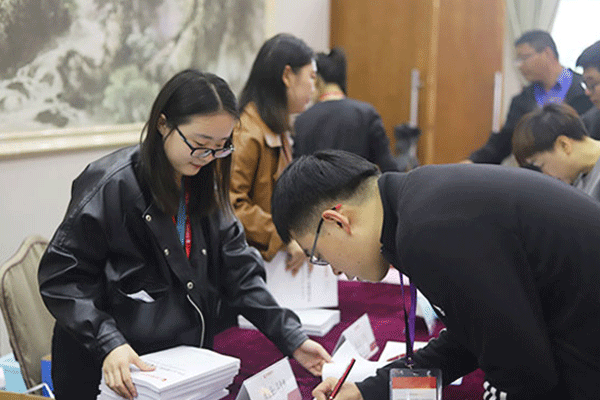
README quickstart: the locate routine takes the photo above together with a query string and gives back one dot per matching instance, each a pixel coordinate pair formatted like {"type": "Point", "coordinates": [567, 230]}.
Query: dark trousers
{"type": "Point", "coordinates": [76, 372]}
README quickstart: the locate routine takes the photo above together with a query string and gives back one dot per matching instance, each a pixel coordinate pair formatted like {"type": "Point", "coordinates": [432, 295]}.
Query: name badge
{"type": "Point", "coordinates": [415, 384]}
{"type": "Point", "coordinates": [361, 337]}
{"type": "Point", "coordinates": [276, 382]}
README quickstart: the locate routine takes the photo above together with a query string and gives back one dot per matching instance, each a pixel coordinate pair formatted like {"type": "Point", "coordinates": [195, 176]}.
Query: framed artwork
{"type": "Point", "coordinates": [84, 73]}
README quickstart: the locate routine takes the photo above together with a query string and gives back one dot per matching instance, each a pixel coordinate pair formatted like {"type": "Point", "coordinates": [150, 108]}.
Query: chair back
{"type": "Point", "coordinates": [28, 321]}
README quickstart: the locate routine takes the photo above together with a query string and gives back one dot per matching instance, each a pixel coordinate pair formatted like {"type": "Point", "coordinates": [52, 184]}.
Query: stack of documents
{"type": "Point", "coordinates": [182, 373]}
{"type": "Point", "coordinates": [315, 321]}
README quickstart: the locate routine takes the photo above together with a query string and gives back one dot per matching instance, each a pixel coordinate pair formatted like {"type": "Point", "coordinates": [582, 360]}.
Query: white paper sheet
{"type": "Point", "coordinates": [316, 289]}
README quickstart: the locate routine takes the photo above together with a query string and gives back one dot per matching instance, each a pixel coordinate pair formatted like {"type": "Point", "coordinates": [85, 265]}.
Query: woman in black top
{"type": "Point", "coordinates": [149, 249]}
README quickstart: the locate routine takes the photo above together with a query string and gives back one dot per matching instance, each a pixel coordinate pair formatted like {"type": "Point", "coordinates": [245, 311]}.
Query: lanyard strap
{"type": "Point", "coordinates": [409, 320]}
{"type": "Point", "coordinates": [183, 222]}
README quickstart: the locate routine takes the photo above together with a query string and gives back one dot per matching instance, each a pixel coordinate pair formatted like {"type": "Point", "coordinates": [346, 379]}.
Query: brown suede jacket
{"type": "Point", "coordinates": [258, 160]}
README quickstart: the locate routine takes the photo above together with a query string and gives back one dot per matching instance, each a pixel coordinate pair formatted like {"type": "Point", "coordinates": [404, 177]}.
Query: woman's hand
{"type": "Point", "coordinates": [295, 258]}
{"type": "Point", "coordinates": [116, 370]}
{"type": "Point", "coordinates": [348, 391]}
{"type": "Point", "coordinates": [311, 355]}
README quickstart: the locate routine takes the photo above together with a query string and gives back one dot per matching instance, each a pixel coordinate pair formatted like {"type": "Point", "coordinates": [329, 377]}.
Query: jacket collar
{"type": "Point", "coordinates": [272, 139]}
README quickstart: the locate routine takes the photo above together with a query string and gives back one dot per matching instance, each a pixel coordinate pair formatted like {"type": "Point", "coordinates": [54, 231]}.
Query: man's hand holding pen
{"type": "Point", "coordinates": [348, 391]}
{"type": "Point", "coordinates": [338, 389]}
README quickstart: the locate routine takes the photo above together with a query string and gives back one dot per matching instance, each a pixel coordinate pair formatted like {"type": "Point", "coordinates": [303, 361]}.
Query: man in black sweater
{"type": "Point", "coordinates": [537, 58]}
{"type": "Point", "coordinates": [508, 258]}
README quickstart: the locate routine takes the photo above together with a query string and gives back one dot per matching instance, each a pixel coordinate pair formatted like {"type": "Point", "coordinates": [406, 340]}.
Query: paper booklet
{"type": "Point", "coordinates": [315, 289]}
{"type": "Point", "coordinates": [183, 372]}
{"type": "Point", "coordinates": [315, 321]}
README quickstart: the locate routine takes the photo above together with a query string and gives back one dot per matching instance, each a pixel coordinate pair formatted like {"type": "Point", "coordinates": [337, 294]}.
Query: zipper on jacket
{"type": "Point", "coordinates": [201, 318]}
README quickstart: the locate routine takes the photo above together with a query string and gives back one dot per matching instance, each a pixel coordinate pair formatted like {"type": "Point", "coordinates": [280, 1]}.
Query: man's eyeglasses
{"type": "Point", "coordinates": [312, 258]}
{"type": "Point", "coordinates": [589, 86]}
{"type": "Point", "coordinates": [520, 60]}
{"type": "Point", "coordinates": [203, 152]}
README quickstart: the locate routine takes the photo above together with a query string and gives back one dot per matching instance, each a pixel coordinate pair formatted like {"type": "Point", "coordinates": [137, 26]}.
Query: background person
{"type": "Point", "coordinates": [510, 270]}
{"type": "Point", "coordinates": [589, 60]}
{"type": "Point", "coordinates": [537, 58]}
{"type": "Point", "coordinates": [555, 141]}
{"type": "Point", "coordinates": [337, 122]}
{"type": "Point", "coordinates": [281, 83]}
{"type": "Point", "coordinates": [149, 249]}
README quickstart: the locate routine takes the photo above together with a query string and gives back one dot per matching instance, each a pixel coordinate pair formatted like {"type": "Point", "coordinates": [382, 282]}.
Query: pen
{"type": "Point", "coordinates": [337, 387]}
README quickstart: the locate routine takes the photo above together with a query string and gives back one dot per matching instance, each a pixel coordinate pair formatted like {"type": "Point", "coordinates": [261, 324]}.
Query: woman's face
{"type": "Point", "coordinates": [555, 163]}
{"type": "Point", "coordinates": [210, 131]}
{"type": "Point", "coordinates": [300, 87]}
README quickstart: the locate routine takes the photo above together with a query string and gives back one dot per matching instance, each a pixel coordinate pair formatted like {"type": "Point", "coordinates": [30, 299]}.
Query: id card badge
{"type": "Point", "coordinates": [415, 384]}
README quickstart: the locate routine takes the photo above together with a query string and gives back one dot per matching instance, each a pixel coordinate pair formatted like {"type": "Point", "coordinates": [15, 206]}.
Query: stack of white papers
{"type": "Point", "coordinates": [182, 373]}
{"type": "Point", "coordinates": [315, 321]}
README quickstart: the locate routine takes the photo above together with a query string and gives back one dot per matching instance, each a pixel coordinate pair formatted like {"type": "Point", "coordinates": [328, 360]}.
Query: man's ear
{"type": "Point", "coordinates": [286, 77]}
{"type": "Point", "coordinates": [340, 219]}
{"type": "Point", "coordinates": [564, 143]}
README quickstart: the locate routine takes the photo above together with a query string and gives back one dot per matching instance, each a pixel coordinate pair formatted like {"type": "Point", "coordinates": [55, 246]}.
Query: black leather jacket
{"type": "Point", "coordinates": [114, 242]}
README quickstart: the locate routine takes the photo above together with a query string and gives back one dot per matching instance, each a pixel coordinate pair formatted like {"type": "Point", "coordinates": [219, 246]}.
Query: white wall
{"type": "Point", "coordinates": [34, 191]}
{"type": "Point", "coordinates": [307, 19]}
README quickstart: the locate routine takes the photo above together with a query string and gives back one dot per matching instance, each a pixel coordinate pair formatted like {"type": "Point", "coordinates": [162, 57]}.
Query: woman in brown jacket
{"type": "Point", "coordinates": [281, 83]}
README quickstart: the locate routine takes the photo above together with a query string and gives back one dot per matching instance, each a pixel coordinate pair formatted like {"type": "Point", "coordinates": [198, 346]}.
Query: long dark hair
{"type": "Point", "coordinates": [265, 87]}
{"type": "Point", "coordinates": [186, 94]}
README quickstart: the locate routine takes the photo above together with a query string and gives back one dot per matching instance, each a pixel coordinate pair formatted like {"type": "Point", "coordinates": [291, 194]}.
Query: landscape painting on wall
{"type": "Point", "coordinates": [79, 63]}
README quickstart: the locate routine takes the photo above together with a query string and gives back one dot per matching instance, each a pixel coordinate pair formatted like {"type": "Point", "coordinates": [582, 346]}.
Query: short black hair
{"type": "Point", "coordinates": [590, 57]}
{"type": "Point", "coordinates": [332, 67]}
{"type": "Point", "coordinates": [312, 183]}
{"type": "Point", "coordinates": [539, 40]}
{"type": "Point", "coordinates": [538, 130]}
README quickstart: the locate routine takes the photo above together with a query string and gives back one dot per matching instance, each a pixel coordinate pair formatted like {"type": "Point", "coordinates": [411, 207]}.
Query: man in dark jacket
{"type": "Point", "coordinates": [537, 58]}
{"type": "Point", "coordinates": [338, 122]}
{"type": "Point", "coordinates": [511, 271]}
{"type": "Point", "coordinates": [589, 60]}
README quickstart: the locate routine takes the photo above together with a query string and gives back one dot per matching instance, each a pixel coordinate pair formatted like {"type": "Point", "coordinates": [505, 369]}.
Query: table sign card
{"type": "Point", "coordinates": [276, 382]}
{"type": "Point", "coordinates": [361, 337]}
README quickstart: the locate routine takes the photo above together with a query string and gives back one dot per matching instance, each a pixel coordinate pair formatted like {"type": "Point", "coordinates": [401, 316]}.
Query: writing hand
{"type": "Point", "coordinates": [348, 391]}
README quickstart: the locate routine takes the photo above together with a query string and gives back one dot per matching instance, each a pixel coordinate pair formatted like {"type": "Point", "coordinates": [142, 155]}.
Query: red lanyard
{"type": "Point", "coordinates": [185, 234]}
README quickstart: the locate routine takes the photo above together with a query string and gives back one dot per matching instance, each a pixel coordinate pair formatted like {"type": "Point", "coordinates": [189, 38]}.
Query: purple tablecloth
{"type": "Point", "coordinates": [381, 301]}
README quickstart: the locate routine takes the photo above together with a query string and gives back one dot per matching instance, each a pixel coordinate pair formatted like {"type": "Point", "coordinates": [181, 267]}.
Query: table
{"type": "Point", "coordinates": [381, 301]}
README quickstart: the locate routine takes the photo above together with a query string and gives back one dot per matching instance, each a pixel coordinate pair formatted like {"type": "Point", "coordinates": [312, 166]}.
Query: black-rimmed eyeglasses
{"type": "Point", "coordinates": [590, 86]}
{"type": "Point", "coordinates": [203, 152]}
{"type": "Point", "coordinates": [312, 258]}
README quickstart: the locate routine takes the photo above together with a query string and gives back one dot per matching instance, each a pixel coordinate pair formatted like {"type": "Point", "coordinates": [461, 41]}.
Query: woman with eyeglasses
{"type": "Point", "coordinates": [281, 83]}
{"type": "Point", "coordinates": [149, 250]}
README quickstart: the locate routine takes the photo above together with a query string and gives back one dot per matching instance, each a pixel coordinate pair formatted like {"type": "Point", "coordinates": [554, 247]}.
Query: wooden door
{"type": "Point", "coordinates": [455, 44]}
